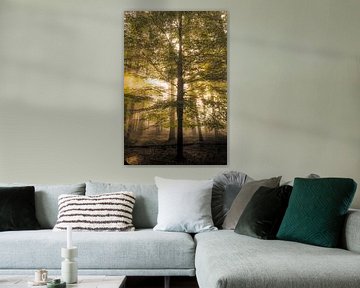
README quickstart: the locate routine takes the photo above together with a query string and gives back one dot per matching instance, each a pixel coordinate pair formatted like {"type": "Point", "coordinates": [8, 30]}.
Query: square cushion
{"type": "Point", "coordinates": [263, 214]}
{"type": "Point", "coordinates": [316, 211]}
{"type": "Point", "coordinates": [184, 205]}
{"type": "Point", "coordinates": [17, 208]}
{"type": "Point", "coordinates": [243, 198]}
{"type": "Point", "coordinates": [105, 212]}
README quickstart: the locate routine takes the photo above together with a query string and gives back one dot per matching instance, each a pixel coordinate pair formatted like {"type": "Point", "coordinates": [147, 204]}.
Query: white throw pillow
{"type": "Point", "coordinates": [104, 212]}
{"type": "Point", "coordinates": [184, 205]}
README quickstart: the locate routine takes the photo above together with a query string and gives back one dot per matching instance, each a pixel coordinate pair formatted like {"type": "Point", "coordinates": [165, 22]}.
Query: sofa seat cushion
{"type": "Point", "coordinates": [225, 259]}
{"type": "Point", "coordinates": [141, 249]}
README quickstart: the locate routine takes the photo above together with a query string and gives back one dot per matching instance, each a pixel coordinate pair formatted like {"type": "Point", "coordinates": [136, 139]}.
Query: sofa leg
{"type": "Point", "coordinates": [167, 282]}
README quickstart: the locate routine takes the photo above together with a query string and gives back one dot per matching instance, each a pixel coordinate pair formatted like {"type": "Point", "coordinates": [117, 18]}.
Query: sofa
{"type": "Point", "coordinates": [225, 259]}
{"type": "Point", "coordinates": [218, 259]}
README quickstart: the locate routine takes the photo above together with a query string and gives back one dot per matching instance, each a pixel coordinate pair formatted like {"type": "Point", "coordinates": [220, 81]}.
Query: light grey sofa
{"type": "Point", "coordinates": [220, 259]}
{"type": "Point", "coordinates": [143, 252]}
{"type": "Point", "coordinates": [225, 259]}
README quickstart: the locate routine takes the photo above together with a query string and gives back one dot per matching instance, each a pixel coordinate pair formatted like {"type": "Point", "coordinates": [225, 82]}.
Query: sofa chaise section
{"type": "Point", "coordinates": [225, 259]}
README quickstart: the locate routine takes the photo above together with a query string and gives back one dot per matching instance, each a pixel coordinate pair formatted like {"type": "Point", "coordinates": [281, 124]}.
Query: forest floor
{"type": "Point", "coordinates": [194, 154]}
{"type": "Point", "coordinates": [158, 282]}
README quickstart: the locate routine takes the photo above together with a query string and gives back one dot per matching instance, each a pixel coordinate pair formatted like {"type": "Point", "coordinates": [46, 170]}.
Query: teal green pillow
{"type": "Point", "coordinates": [316, 211]}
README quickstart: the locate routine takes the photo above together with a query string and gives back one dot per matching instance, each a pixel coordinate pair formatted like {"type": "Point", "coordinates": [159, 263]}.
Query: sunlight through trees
{"type": "Point", "coordinates": [175, 87]}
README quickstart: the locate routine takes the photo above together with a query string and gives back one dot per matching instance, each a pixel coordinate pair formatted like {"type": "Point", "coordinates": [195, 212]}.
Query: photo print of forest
{"type": "Point", "coordinates": [175, 88]}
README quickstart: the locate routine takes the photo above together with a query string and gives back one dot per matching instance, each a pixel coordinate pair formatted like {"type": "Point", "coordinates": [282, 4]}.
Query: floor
{"type": "Point", "coordinates": [158, 282]}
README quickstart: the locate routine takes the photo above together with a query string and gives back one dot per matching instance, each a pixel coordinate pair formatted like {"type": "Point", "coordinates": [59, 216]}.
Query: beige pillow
{"type": "Point", "coordinates": [243, 198]}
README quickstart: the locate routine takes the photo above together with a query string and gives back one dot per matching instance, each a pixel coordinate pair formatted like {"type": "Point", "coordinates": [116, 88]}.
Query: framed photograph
{"type": "Point", "coordinates": [175, 88]}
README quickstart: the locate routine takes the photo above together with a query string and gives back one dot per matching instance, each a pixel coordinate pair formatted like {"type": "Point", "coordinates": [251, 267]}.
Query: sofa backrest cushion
{"type": "Point", "coordinates": [146, 204]}
{"type": "Point", "coordinates": [46, 200]}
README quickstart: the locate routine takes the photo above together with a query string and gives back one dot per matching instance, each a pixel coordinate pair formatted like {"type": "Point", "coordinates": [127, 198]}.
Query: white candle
{"type": "Point", "coordinates": [69, 237]}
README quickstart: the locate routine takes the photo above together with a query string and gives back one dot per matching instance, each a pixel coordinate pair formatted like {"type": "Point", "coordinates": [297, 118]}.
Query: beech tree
{"type": "Point", "coordinates": [175, 62]}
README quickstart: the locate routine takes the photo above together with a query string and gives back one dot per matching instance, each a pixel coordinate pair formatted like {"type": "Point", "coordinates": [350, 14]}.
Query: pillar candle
{"type": "Point", "coordinates": [69, 237]}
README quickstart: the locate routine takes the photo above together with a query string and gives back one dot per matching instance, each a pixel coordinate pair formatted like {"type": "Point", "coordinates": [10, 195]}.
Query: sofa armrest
{"type": "Point", "coordinates": [351, 233]}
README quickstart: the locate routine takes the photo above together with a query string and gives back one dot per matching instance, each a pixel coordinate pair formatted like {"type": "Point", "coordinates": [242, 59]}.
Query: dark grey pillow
{"type": "Point", "coordinates": [263, 214]}
{"type": "Point", "coordinates": [17, 209]}
{"type": "Point", "coordinates": [243, 198]}
{"type": "Point", "coordinates": [226, 187]}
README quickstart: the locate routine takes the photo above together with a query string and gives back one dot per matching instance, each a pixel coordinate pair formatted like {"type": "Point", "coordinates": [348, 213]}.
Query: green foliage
{"type": "Point", "coordinates": [151, 62]}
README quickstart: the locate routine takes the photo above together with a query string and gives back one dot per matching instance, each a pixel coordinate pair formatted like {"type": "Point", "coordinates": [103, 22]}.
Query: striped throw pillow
{"type": "Point", "coordinates": [105, 212]}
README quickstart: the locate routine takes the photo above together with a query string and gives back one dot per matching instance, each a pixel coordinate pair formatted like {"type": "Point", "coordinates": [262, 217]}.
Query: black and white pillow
{"type": "Point", "coordinates": [105, 212]}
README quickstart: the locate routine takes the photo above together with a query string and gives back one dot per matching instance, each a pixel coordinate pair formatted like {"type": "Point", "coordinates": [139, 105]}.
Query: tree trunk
{"type": "Point", "coordinates": [216, 130]}
{"type": "Point", "coordinates": [130, 123]}
{"type": "Point", "coordinates": [180, 94]}
{"type": "Point", "coordinates": [171, 76]}
{"type": "Point", "coordinates": [172, 115]}
{"type": "Point", "coordinates": [198, 123]}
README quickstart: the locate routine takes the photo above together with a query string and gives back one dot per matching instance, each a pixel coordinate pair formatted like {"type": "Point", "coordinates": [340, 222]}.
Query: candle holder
{"type": "Point", "coordinates": [69, 271]}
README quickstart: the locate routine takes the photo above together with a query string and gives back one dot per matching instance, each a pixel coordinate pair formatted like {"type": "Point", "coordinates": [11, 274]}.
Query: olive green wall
{"type": "Point", "coordinates": [294, 89]}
